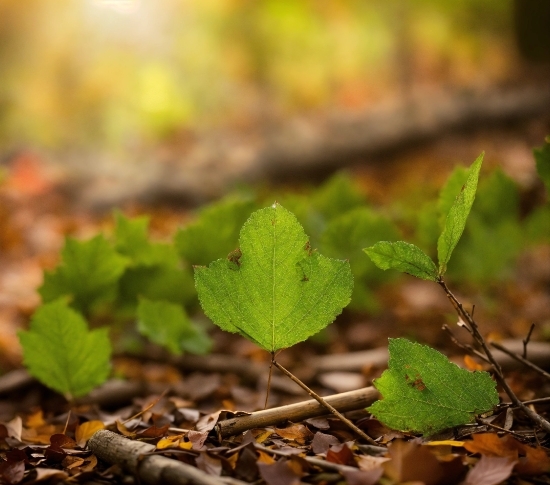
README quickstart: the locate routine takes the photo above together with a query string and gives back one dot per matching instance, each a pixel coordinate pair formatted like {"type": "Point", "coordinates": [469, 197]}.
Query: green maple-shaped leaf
{"type": "Point", "coordinates": [424, 392]}
{"type": "Point", "coordinates": [89, 272]}
{"type": "Point", "coordinates": [62, 353]}
{"type": "Point", "coordinates": [457, 215]}
{"type": "Point", "coordinates": [274, 290]}
{"type": "Point", "coordinates": [404, 257]}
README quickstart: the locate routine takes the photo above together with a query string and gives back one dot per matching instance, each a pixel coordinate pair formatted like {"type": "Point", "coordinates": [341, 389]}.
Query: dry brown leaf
{"type": "Point", "coordinates": [490, 470]}
{"type": "Point", "coordinates": [296, 432]}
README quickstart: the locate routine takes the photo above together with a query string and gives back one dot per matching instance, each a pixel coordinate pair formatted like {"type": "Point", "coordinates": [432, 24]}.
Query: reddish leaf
{"type": "Point", "coordinates": [322, 442]}
{"type": "Point", "coordinates": [341, 454]}
{"type": "Point", "coordinates": [197, 438]}
{"type": "Point", "coordinates": [412, 462]}
{"type": "Point", "coordinates": [55, 454]}
{"type": "Point", "coordinates": [209, 464]}
{"type": "Point", "coordinates": [360, 477]}
{"type": "Point", "coordinates": [246, 467]}
{"type": "Point", "coordinates": [282, 472]}
{"type": "Point", "coordinates": [62, 441]}
{"type": "Point", "coordinates": [490, 470]}
{"type": "Point", "coordinates": [154, 432]}
{"type": "Point", "coordinates": [12, 472]}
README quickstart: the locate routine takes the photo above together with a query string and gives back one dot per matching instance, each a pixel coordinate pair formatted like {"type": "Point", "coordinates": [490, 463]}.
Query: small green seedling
{"type": "Point", "coordinates": [62, 353]}
{"type": "Point", "coordinates": [274, 289]}
{"type": "Point", "coordinates": [422, 390]}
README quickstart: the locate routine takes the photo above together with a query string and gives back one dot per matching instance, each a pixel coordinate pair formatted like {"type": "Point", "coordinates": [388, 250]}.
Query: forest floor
{"type": "Point", "coordinates": [179, 406]}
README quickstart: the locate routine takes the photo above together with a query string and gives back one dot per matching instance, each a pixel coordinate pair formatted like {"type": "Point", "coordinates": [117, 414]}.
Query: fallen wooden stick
{"type": "Point", "coordinates": [345, 401]}
{"type": "Point", "coordinates": [136, 458]}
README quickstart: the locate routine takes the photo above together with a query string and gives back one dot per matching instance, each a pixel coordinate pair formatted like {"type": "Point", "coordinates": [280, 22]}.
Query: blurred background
{"type": "Point", "coordinates": [186, 97]}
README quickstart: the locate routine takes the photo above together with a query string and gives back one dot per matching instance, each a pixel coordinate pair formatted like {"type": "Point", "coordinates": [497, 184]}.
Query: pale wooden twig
{"type": "Point", "coordinates": [345, 401]}
{"type": "Point", "coordinates": [136, 458]}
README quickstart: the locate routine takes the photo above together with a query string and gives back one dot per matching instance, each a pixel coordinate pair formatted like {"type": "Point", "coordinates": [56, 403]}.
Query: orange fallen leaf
{"type": "Point", "coordinates": [86, 430]}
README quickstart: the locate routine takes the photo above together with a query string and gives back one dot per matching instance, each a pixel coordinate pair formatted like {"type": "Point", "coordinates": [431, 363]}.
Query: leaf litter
{"type": "Point", "coordinates": [41, 442]}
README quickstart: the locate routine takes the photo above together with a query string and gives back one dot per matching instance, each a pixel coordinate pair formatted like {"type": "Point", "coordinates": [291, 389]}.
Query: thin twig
{"type": "Point", "coordinates": [521, 359]}
{"type": "Point", "coordinates": [526, 340]}
{"type": "Point", "coordinates": [324, 403]}
{"type": "Point", "coordinates": [467, 348]}
{"type": "Point", "coordinates": [474, 330]}
{"type": "Point", "coordinates": [503, 430]}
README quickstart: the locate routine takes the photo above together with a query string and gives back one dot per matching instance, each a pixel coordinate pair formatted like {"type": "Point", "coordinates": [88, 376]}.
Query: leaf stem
{"type": "Point", "coordinates": [474, 331]}
{"type": "Point", "coordinates": [324, 403]}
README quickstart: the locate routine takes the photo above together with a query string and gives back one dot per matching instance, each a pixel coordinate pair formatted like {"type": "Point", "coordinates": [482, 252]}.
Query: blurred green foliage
{"type": "Point", "coordinates": [120, 74]}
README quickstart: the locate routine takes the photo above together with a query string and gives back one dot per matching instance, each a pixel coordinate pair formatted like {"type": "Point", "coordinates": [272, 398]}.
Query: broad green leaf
{"type": "Point", "coordinates": [424, 392]}
{"type": "Point", "coordinates": [542, 157]}
{"type": "Point", "coordinates": [62, 353]}
{"type": "Point", "coordinates": [168, 325]}
{"type": "Point", "coordinates": [274, 290]}
{"type": "Point", "coordinates": [456, 218]}
{"type": "Point", "coordinates": [131, 240]}
{"type": "Point", "coordinates": [215, 232]}
{"type": "Point", "coordinates": [345, 236]}
{"type": "Point", "coordinates": [337, 195]}
{"type": "Point", "coordinates": [88, 272]}
{"type": "Point", "coordinates": [404, 257]}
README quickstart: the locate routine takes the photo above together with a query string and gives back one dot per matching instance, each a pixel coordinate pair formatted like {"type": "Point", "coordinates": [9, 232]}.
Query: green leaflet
{"type": "Point", "coordinates": [403, 257]}
{"type": "Point", "coordinates": [456, 218]}
{"type": "Point", "coordinates": [274, 290]}
{"type": "Point", "coordinates": [214, 232]}
{"type": "Point", "coordinates": [424, 392]}
{"type": "Point", "coordinates": [168, 325]}
{"type": "Point", "coordinates": [89, 272]}
{"type": "Point", "coordinates": [62, 353]}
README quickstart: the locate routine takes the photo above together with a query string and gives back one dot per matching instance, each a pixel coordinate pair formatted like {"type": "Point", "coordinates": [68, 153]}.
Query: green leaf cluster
{"type": "Point", "coordinates": [408, 258]}
{"type": "Point", "coordinates": [339, 221]}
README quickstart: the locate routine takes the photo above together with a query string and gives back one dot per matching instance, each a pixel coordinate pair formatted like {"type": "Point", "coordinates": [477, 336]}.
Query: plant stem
{"type": "Point", "coordinates": [322, 402]}
{"type": "Point", "coordinates": [474, 331]}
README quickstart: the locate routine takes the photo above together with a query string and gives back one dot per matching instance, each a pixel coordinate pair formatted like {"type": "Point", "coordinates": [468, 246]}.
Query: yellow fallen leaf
{"type": "Point", "coordinates": [185, 445]}
{"type": "Point", "coordinates": [86, 430]}
{"type": "Point", "coordinates": [169, 441]}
